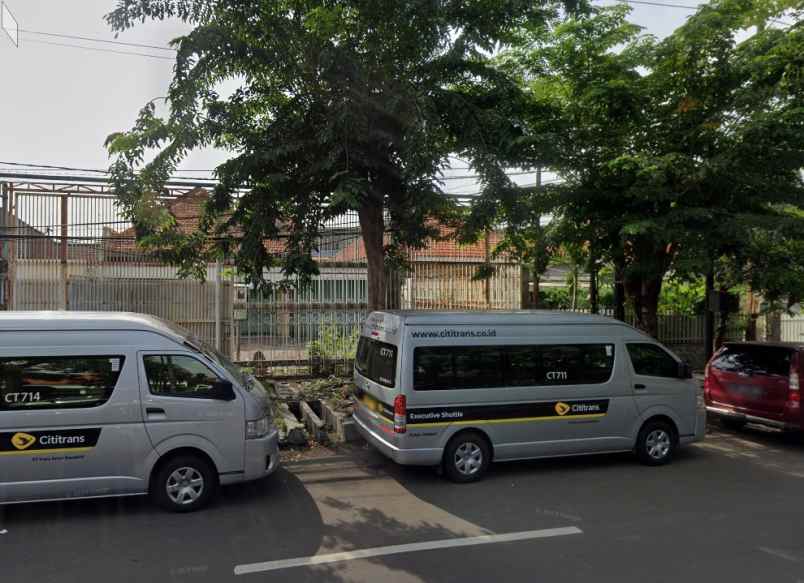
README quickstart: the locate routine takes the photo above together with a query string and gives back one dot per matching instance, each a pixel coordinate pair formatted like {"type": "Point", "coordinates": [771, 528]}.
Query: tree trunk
{"type": "Point", "coordinates": [722, 325]}
{"type": "Point", "coordinates": [372, 228]}
{"type": "Point", "coordinates": [536, 300]}
{"type": "Point", "coordinates": [645, 291]}
{"type": "Point", "coordinates": [619, 290]}
{"type": "Point", "coordinates": [593, 295]}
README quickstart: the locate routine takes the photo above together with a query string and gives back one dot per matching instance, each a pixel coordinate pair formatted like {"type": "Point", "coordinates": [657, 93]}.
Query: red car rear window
{"type": "Point", "coordinates": [754, 360]}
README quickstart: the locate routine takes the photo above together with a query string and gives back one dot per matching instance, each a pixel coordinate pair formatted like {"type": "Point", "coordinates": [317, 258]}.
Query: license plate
{"type": "Point", "coordinates": [746, 391]}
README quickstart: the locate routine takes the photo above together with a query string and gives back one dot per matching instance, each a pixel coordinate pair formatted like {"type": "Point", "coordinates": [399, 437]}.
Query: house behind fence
{"type": "Point", "coordinates": [66, 246]}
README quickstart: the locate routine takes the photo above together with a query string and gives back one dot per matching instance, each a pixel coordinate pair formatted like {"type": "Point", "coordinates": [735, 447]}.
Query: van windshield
{"type": "Point", "coordinates": [376, 361]}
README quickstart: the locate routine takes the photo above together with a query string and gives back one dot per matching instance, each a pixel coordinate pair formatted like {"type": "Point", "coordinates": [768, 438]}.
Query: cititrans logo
{"type": "Point", "coordinates": [562, 408]}
{"type": "Point", "coordinates": [22, 440]}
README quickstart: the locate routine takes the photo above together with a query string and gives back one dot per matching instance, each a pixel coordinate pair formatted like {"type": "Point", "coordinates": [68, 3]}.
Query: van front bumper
{"type": "Point", "coordinates": [405, 457]}
{"type": "Point", "coordinates": [262, 456]}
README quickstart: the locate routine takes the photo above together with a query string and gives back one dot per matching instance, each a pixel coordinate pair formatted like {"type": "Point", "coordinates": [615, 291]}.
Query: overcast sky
{"type": "Point", "coordinates": [58, 104]}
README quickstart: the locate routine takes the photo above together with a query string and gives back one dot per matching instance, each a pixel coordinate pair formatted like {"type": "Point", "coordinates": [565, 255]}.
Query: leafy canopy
{"type": "Point", "coordinates": [341, 105]}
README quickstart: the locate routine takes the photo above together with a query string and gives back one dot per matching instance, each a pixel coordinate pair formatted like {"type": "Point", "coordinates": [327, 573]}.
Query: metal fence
{"type": "Point", "coordinates": [67, 247]}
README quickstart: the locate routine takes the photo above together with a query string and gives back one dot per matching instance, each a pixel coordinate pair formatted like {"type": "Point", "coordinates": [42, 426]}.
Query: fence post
{"type": "Point", "coordinates": [63, 251]}
{"type": "Point", "coordinates": [218, 284]}
{"type": "Point", "coordinates": [4, 259]}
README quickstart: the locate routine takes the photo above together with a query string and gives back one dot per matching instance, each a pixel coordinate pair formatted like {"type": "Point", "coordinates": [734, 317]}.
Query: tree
{"type": "Point", "coordinates": [673, 152]}
{"type": "Point", "coordinates": [342, 105]}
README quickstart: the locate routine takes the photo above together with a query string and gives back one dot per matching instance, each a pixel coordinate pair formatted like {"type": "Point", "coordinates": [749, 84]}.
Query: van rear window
{"type": "Point", "coordinates": [376, 361]}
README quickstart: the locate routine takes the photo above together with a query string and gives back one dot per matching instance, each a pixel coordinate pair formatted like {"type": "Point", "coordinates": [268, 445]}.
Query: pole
{"type": "Point", "coordinates": [218, 284]}
{"type": "Point", "coordinates": [63, 252]}
{"type": "Point", "coordinates": [4, 255]}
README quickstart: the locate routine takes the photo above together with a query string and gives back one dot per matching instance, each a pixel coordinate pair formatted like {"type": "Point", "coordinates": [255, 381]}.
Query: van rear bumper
{"type": "Point", "coordinates": [405, 457]}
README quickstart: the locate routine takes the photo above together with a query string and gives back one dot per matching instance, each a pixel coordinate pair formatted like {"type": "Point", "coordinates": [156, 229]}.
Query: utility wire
{"type": "Point", "coordinates": [70, 169]}
{"type": "Point", "coordinates": [685, 7]}
{"type": "Point", "coordinates": [98, 40]}
{"type": "Point", "coordinates": [97, 50]}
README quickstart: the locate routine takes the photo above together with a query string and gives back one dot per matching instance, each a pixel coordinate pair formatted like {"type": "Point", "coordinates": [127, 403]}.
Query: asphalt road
{"type": "Point", "coordinates": [729, 509]}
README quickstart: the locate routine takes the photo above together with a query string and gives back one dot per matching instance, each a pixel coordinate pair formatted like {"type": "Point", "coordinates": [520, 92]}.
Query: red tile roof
{"type": "Point", "coordinates": [188, 209]}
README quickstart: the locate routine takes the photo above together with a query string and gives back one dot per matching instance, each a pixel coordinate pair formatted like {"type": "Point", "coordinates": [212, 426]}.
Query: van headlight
{"type": "Point", "coordinates": [258, 428]}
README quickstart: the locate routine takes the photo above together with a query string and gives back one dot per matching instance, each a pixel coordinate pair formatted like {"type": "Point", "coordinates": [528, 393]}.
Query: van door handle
{"type": "Point", "coordinates": [640, 387]}
{"type": "Point", "coordinates": [154, 411]}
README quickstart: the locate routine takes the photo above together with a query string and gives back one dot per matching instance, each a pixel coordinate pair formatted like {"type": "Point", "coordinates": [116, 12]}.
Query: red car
{"type": "Point", "coordinates": [756, 382]}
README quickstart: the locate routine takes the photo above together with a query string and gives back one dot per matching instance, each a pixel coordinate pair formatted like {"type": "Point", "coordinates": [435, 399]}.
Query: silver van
{"type": "Point", "coordinates": [462, 389]}
{"type": "Point", "coordinates": [118, 404]}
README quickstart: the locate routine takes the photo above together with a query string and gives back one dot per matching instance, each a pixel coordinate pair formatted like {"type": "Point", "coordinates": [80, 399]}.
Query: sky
{"type": "Point", "coordinates": [58, 104]}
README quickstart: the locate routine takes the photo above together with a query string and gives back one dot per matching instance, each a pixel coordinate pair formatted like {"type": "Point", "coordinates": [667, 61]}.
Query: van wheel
{"type": "Point", "coordinates": [656, 443]}
{"type": "Point", "coordinates": [467, 457]}
{"type": "Point", "coordinates": [184, 483]}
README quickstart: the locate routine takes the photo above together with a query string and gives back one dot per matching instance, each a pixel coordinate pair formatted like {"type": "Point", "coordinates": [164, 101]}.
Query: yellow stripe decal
{"type": "Point", "coordinates": [36, 451]}
{"type": "Point", "coordinates": [514, 420]}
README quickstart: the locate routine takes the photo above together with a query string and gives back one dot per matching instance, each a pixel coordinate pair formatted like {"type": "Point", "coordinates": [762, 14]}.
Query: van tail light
{"type": "Point", "coordinates": [400, 414]}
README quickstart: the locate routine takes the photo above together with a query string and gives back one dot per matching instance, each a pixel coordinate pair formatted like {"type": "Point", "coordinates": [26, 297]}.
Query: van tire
{"type": "Point", "coordinates": [467, 457]}
{"type": "Point", "coordinates": [184, 483]}
{"type": "Point", "coordinates": [656, 443]}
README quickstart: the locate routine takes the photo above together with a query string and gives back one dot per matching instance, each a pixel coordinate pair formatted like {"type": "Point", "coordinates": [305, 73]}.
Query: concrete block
{"type": "Point", "coordinates": [291, 430]}
{"type": "Point", "coordinates": [312, 422]}
{"type": "Point", "coordinates": [340, 423]}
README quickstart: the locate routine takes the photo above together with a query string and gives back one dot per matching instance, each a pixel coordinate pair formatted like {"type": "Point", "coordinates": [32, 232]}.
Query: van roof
{"type": "Point", "coordinates": [60, 320]}
{"type": "Point", "coordinates": [499, 317]}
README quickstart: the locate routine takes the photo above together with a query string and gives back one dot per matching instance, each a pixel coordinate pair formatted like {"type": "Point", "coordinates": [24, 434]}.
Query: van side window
{"type": "Point", "coordinates": [559, 364]}
{"type": "Point", "coordinates": [464, 367]}
{"type": "Point", "coordinates": [57, 382]}
{"type": "Point", "coordinates": [174, 375]}
{"type": "Point", "coordinates": [478, 367]}
{"type": "Point", "coordinates": [475, 367]}
{"type": "Point", "coordinates": [651, 360]}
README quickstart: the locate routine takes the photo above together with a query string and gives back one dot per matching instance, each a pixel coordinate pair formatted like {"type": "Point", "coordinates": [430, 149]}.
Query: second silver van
{"type": "Point", "coordinates": [463, 389]}
{"type": "Point", "coordinates": [118, 404]}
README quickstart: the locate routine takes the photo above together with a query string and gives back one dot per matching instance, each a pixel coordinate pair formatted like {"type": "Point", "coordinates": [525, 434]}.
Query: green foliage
{"type": "Point", "coordinates": [683, 297]}
{"type": "Point", "coordinates": [341, 105]}
{"type": "Point", "coordinates": [334, 342]}
{"type": "Point", "coordinates": [675, 153]}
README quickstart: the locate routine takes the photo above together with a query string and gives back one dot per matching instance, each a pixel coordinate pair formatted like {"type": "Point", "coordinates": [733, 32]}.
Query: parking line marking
{"type": "Point", "coordinates": [406, 548]}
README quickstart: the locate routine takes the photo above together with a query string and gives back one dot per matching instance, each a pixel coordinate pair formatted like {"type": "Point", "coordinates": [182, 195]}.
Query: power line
{"type": "Point", "coordinates": [95, 170]}
{"type": "Point", "coordinates": [130, 53]}
{"type": "Point", "coordinates": [685, 7]}
{"type": "Point", "coordinates": [98, 40]}
{"type": "Point", "coordinates": [100, 171]}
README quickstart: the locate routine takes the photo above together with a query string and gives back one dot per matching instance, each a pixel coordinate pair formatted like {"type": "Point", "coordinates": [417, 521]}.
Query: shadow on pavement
{"type": "Point", "coordinates": [128, 539]}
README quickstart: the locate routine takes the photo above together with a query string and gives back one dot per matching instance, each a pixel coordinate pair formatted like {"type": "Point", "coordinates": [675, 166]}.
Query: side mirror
{"type": "Point", "coordinates": [222, 390]}
{"type": "Point", "coordinates": [684, 370]}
